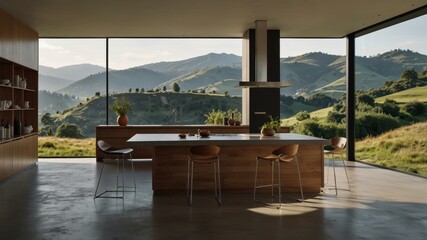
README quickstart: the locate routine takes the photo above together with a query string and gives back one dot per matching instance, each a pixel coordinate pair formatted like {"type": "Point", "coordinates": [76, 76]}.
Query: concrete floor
{"type": "Point", "coordinates": [54, 200]}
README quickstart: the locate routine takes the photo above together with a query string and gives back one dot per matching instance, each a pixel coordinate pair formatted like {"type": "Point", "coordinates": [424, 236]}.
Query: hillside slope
{"type": "Point", "coordinates": [164, 108]}
{"type": "Point", "coordinates": [403, 148]}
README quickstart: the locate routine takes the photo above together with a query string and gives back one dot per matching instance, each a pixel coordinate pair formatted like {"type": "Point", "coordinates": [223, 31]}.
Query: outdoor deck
{"type": "Point", "coordinates": [54, 200]}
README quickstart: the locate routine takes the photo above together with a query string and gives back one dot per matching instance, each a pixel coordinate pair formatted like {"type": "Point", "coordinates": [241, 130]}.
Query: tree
{"type": "Point", "coordinates": [409, 75]}
{"type": "Point", "coordinates": [164, 88]}
{"type": "Point", "coordinates": [68, 130]}
{"type": "Point", "coordinates": [226, 94]}
{"type": "Point", "coordinates": [390, 107]}
{"type": "Point", "coordinates": [414, 108]}
{"type": "Point", "coordinates": [365, 98]}
{"type": "Point", "coordinates": [137, 90]}
{"type": "Point", "coordinates": [302, 115]}
{"type": "Point", "coordinates": [130, 90]}
{"type": "Point", "coordinates": [97, 94]}
{"type": "Point", "coordinates": [176, 87]}
{"type": "Point", "coordinates": [142, 90]}
{"type": "Point", "coordinates": [47, 120]}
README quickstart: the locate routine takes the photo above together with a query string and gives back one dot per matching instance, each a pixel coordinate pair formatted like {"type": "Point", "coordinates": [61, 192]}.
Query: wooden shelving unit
{"type": "Point", "coordinates": [18, 57]}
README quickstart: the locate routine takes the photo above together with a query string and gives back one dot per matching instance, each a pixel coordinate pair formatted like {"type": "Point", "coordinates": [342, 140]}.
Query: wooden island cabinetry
{"type": "Point", "coordinates": [19, 65]}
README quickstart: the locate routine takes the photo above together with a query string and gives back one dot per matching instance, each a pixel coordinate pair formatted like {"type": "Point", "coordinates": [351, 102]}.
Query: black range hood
{"type": "Point", "coordinates": [261, 61]}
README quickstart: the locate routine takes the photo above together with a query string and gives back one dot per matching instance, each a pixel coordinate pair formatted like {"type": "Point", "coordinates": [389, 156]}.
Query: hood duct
{"type": "Point", "coordinates": [261, 61]}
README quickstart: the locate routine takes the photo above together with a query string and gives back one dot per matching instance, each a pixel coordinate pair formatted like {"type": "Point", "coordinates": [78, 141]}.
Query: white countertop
{"type": "Point", "coordinates": [224, 139]}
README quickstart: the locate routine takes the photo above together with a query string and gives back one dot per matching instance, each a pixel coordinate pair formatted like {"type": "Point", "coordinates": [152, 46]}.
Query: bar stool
{"type": "Point", "coordinates": [119, 154]}
{"type": "Point", "coordinates": [284, 154]}
{"type": "Point", "coordinates": [337, 146]}
{"type": "Point", "coordinates": [203, 154]}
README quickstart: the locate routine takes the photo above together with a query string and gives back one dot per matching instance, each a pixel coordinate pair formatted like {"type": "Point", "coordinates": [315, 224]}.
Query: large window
{"type": "Point", "coordinates": [316, 68]}
{"type": "Point", "coordinates": [71, 81]}
{"type": "Point", "coordinates": [166, 81]}
{"type": "Point", "coordinates": [391, 98]}
{"type": "Point", "coordinates": [175, 81]}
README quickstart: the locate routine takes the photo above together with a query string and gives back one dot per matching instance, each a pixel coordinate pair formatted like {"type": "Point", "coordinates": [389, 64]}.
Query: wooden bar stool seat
{"type": "Point", "coordinates": [284, 154]}
{"type": "Point", "coordinates": [203, 154]}
{"type": "Point", "coordinates": [118, 155]}
{"type": "Point", "coordinates": [337, 147]}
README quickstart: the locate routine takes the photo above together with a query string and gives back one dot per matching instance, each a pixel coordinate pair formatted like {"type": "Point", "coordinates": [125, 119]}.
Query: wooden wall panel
{"type": "Point", "coordinates": [18, 43]}
{"type": "Point", "coordinates": [6, 159]}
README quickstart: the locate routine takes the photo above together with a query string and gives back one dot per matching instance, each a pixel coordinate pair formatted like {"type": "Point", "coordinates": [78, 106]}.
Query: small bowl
{"type": "Point", "coordinates": [182, 135]}
{"type": "Point", "coordinates": [4, 81]}
{"type": "Point", "coordinates": [204, 133]}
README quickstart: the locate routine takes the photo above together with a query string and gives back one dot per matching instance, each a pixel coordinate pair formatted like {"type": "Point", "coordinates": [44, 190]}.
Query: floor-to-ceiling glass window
{"type": "Point", "coordinates": [391, 98]}
{"type": "Point", "coordinates": [71, 95]}
{"type": "Point", "coordinates": [175, 81]}
{"type": "Point", "coordinates": [314, 103]}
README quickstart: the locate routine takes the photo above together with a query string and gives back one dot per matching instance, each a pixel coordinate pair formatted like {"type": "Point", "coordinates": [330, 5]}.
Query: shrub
{"type": "Point", "coordinates": [335, 117]}
{"type": "Point", "coordinates": [48, 145]}
{"type": "Point", "coordinates": [215, 117]}
{"type": "Point", "coordinates": [390, 107]}
{"type": "Point", "coordinates": [323, 130]}
{"type": "Point", "coordinates": [373, 124]}
{"type": "Point", "coordinates": [303, 115]}
{"type": "Point", "coordinates": [414, 108]}
{"type": "Point", "coordinates": [68, 130]}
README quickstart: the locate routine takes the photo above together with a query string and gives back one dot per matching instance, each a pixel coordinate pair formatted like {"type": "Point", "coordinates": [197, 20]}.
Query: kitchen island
{"type": "Point", "coordinates": [237, 161]}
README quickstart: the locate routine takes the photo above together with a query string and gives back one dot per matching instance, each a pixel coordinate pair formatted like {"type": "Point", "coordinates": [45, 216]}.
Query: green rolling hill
{"type": "Point", "coordinates": [414, 94]}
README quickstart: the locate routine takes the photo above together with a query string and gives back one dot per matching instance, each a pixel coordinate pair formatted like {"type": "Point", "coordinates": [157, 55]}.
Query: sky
{"type": "Point", "coordinates": [125, 53]}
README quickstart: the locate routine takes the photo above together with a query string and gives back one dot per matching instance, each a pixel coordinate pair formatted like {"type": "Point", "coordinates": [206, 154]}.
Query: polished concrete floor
{"type": "Point", "coordinates": [54, 200]}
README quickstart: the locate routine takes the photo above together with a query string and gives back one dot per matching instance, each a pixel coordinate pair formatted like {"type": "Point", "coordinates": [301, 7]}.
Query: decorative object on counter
{"type": "Point", "coordinates": [20, 82]}
{"type": "Point", "coordinates": [27, 129]}
{"type": "Point", "coordinates": [8, 130]}
{"type": "Point", "coordinates": [4, 81]}
{"type": "Point", "coordinates": [16, 128]}
{"type": "Point", "coordinates": [270, 127]}
{"type": "Point", "coordinates": [225, 121]}
{"type": "Point", "coordinates": [182, 135]}
{"type": "Point", "coordinates": [2, 130]}
{"type": "Point", "coordinates": [204, 133]}
{"type": "Point", "coordinates": [5, 104]}
{"type": "Point", "coordinates": [17, 81]}
{"type": "Point", "coordinates": [121, 108]}
{"type": "Point", "coordinates": [26, 104]}
{"type": "Point", "coordinates": [234, 117]}
{"type": "Point", "coordinates": [231, 121]}
{"type": "Point", "coordinates": [23, 83]}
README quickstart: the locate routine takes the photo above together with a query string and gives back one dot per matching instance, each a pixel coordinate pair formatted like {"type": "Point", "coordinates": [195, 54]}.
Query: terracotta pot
{"type": "Point", "coordinates": [267, 132]}
{"type": "Point", "coordinates": [231, 122]}
{"type": "Point", "coordinates": [237, 123]}
{"type": "Point", "coordinates": [122, 120]}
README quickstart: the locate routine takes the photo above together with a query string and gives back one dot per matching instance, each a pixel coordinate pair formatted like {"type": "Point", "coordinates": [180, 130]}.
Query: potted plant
{"type": "Point", "coordinates": [270, 127]}
{"type": "Point", "coordinates": [121, 108]}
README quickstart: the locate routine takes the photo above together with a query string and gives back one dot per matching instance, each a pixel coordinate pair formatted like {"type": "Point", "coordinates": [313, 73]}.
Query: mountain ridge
{"type": "Point", "coordinates": [310, 73]}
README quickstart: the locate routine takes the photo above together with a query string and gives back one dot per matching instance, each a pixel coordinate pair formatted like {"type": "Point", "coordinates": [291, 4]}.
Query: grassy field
{"type": "Point", "coordinates": [320, 114]}
{"type": "Point", "coordinates": [66, 147]}
{"type": "Point", "coordinates": [403, 149]}
{"type": "Point", "coordinates": [410, 95]}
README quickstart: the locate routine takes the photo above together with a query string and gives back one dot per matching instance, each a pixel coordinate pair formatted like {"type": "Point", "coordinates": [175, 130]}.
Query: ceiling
{"type": "Point", "coordinates": [202, 18]}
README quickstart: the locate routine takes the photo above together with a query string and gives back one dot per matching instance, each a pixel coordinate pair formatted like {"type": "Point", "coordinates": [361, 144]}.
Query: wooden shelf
{"type": "Point", "coordinates": [18, 57]}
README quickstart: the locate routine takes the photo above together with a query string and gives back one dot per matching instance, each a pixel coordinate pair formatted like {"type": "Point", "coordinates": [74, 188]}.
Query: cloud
{"type": "Point", "coordinates": [57, 49]}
